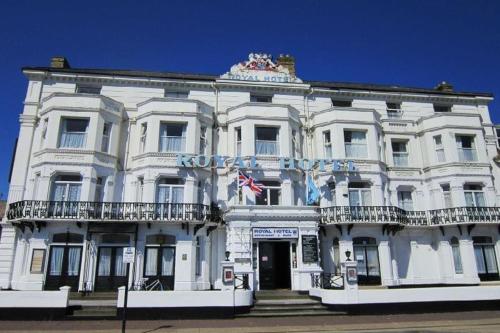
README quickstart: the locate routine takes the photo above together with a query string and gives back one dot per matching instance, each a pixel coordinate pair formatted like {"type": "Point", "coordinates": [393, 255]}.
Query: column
{"type": "Point", "coordinates": [385, 258]}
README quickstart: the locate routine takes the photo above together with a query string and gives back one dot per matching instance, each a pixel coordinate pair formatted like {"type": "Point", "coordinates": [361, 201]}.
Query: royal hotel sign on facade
{"type": "Point", "coordinates": [405, 181]}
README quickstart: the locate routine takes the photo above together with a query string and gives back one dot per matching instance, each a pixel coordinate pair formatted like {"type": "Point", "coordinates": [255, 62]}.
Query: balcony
{"type": "Point", "coordinates": [112, 211]}
{"type": "Point", "coordinates": [395, 215]}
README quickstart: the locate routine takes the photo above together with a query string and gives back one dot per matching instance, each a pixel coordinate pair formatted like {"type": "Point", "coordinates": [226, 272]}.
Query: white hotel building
{"type": "Point", "coordinates": [102, 162]}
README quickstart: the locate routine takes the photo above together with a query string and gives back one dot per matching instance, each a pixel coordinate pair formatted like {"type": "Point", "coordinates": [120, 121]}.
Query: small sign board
{"type": "Point", "coordinates": [275, 233]}
{"type": "Point", "coordinates": [309, 248]}
{"type": "Point", "coordinates": [128, 255]}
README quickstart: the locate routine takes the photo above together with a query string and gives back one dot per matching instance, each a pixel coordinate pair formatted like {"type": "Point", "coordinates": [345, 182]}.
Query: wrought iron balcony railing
{"type": "Point", "coordinates": [121, 211]}
{"type": "Point", "coordinates": [391, 214]}
{"type": "Point", "coordinates": [327, 280]}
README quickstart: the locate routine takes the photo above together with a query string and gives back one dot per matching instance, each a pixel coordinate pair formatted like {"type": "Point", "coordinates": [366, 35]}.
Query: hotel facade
{"type": "Point", "coordinates": [408, 181]}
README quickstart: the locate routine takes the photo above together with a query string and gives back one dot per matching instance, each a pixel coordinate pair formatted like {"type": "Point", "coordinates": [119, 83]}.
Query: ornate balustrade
{"type": "Point", "coordinates": [391, 214]}
{"type": "Point", "coordinates": [119, 211]}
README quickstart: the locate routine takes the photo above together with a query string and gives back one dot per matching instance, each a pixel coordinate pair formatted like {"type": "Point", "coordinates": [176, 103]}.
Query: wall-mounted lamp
{"type": "Point", "coordinates": [227, 255]}
{"type": "Point", "coordinates": [348, 254]}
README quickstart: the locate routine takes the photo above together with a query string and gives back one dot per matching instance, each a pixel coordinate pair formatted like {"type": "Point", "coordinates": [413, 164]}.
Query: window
{"type": "Point", "coordinates": [486, 260]}
{"type": "Point", "coordinates": [237, 132]}
{"type": "Point", "coordinates": [99, 190]}
{"type": "Point", "coordinates": [170, 190]}
{"type": "Point", "coordinates": [271, 194]}
{"type": "Point", "coordinates": [341, 103]}
{"type": "Point", "coordinates": [400, 153]}
{"type": "Point", "coordinates": [144, 132]}
{"type": "Point", "coordinates": [327, 144]}
{"type": "Point", "coordinates": [466, 148]}
{"type": "Point", "coordinates": [43, 135]}
{"type": "Point", "coordinates": [172, 137]}
{"type": "Point", "coordinates": [447, 200]}
{"type": "Point", "coordinates": [198, 256]}
{"type": "Point", "coordinates": [106, 133]}
{"type": "Point", "coordinates": [394, 110]}
{"type": "Point", "coordinates": [203, 140]}
{"type": "Point", "coordinates": [86, 89]}
{"type": "Point", "coordinates": [201, 192]}
{"type": "Point", "coordinates": [438, 146]}
{"type": "Point", "coordinates": [266, 141]}
{"type": "Point", "coordinates": [295, 144]}
{"type": "Point", "coordinates": [474, 196]}
{"type": "Point", "coordinates": [140, 189]}
{"type": "Point", "coordinates": [66, 188]}
{"type": "Point", "coordinates": [360, 194]}
{"type": "Point", "coordinates": [296, 193]}
{"type": "Point", "coordinates": [37, 261]}
{"type": "Point", "coordinates": [332, 194]}
{"type": "Point", "coordinates": [177, 94]}
{"type": "Point", "coordinates": [442, 108]}
{"type": "Point", "coordinates": [405, 200]}
{"type": "Point", "coordinates": [366, 255]}
{"type": "Point", "coordinates": [457, 258]}
{"type": "Point", "coordinates": [355, 144]}
{"type": "Point", "coordinates": [261, 98]}
{"type": "Point", "coordinates": [73, 133]}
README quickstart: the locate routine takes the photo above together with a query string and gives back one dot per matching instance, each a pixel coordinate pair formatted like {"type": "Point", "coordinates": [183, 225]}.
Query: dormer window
{"type": "Point", "coordinates": [177, 94]}
{"type": "Point", "coordinates": [261, 98]}
{"type": "Point", "coordinates": [88, 89]}
{"type": "Point", "coordinates": [442, 108]}
{"type": "Point", "coordinates": [341, 103]}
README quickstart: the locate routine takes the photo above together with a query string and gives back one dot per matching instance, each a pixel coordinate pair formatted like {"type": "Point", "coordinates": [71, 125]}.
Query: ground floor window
{"type": "Point", "coordinates": [457, 258]}
{"type": "Point", "coordinates": [366, 254]}
{"type": "Point", "coordinates": [486, 259]}
{"type": "Point", "coordinates": [64, 267]}
{"type": "Point", "coordinates": [159, 263]}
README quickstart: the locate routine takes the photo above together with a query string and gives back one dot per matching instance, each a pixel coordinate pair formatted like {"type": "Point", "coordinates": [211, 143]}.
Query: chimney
{"type": "Point", "coordinates": [287, 61]}
{"type": "Point", "coordinates": [444, 86]}
{"type": "Point", "coordinates": [59, 62]}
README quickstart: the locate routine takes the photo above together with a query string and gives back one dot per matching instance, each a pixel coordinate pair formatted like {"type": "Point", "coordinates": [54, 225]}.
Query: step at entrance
{"type": "Point", "coordinates": [283, 303]}
{"type": "Point", "coordinates": [98, 305]}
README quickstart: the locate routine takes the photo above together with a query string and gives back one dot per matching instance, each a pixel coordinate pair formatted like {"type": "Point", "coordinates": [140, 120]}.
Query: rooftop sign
{"type": "Point", "coordinates": [260, 67]}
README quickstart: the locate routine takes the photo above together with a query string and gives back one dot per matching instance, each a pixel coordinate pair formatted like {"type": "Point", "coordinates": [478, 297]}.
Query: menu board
{"type": "Point", "coordinates": [309, 248]}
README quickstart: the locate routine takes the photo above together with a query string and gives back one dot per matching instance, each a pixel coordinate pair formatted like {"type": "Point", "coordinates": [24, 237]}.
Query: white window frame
{"type": "Point", "coordinates": [362, 148]}
{"type": "Point", "coordinates": [106, 136]}
{"type": "Point", "coordinates": [394, 110]}
{"type": "Point", "coordinates": [361, 191]}
{"type": "Point", "coordinates": [266, 191]}
{"type": "Point", "coordinates": [165, 138]}
{"type": "Point", "coordinates": [64, 130]}
{"type": "Point", "coordinates": [203, 140]}
{"type": "Point", "coordinates": [466, 154]}
{"type": "Point", "coordinates": [327, 144]}
{"type": "Point", "coordinates": [67, 184]}
{"type": "Point", "coordinates": [99, 189]}
{"type": "Point", "coordinates": [276, 142]}
{"type": "Point", "coordinates": [447, 197]}
{"type": "Point", "coordinates": [237, 140]}
{"type": "Point", "coordinates": [475, 194]}
{"type": "Point", "coordinates": [143, 136]}
{"type": "Point", "coordinates": [439, 148]}
{"type": "Point", "coordinates": [400, 158]}
{"type": "Point", "coordinates": [403, 199]}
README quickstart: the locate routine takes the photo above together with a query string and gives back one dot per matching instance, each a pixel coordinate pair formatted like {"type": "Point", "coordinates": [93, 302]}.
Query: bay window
{"type": "Point", "coordinates": [143, 134]}
{"type": "Point", "coordinates": [66, 188]}
{"type": "Point", "coordinates": [73, 133]}
{"type": "Point", "coordinates": [271, 194]}
{"type": "Point", "coordinates": [170, 198]}
{"type": "Point", "coordinates": [474, 196]}
{"type": "Point", "coordinates": [359, 194]}
{"type": "Point", "coordinates": [355, 144]}
{"type": "Point", "coordinates": [466, 148]}
{"type": "Point", "coordinates": [237, 138]}
{"type": "Point", "coordinates": [447, 200]}
{"type": "Point", "coordinates": [327, 144]}
{"type": "Point", "coordinates": [106, 133]}
{"type": "Point", "coordinates": [405, 200]}
{"type": "Point", "coordinates": [400, 153]}
{"type": "Point", "coordinates": [172, 137]}
{"type": "Point", "coordinates": [438, 146]}
{"type": "Point", "coordinates": [267, 141]}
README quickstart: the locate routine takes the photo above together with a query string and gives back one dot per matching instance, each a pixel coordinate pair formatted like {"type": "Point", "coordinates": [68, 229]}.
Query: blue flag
{"type": "Point", "coordinates": [312, 191]}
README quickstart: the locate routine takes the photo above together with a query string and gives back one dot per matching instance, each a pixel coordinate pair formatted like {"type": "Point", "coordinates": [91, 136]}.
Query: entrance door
{"type": "Point", "coordinates": [159, 265]}
{"type": "Point", "coordinates": [366, 254]}
{"type": "Point", "coordinates": [274, 265]}
{"type": "Point", "coordinates": [111, 271]}
{"type": "Point", "coordinates": [64, 267]}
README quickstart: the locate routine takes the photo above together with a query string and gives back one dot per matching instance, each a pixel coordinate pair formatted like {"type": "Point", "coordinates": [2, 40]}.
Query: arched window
{"type": "Point", "coordinates": [486, 259]}
{"type": "Point", "coordinates": [457, 258]}
{"type": "Point", "coordinates": [366, 254]}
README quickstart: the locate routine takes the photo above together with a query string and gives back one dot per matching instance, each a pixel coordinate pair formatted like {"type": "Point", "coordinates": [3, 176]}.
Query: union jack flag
{"type": "Point", "coordinates": [251, 182]}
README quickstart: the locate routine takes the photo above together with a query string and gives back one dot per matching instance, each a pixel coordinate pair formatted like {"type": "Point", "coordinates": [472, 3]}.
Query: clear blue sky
{"type": "Point", "coordinates": [414, 43]}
